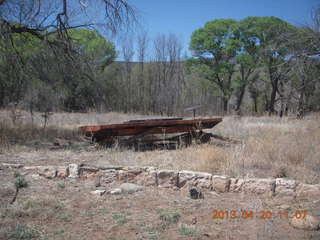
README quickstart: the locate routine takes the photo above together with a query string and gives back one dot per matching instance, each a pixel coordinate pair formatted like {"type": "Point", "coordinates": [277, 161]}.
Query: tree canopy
{"type": "Point", "coordinates": [224, 45]}
{"type": "Point", "coordinates": [215, 47]}
{"type": "Point", "coordinates": [94, 46]}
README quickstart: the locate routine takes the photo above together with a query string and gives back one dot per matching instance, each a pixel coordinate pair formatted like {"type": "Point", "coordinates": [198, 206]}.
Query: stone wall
{"type": "Point", "coordinates": [151, 176]}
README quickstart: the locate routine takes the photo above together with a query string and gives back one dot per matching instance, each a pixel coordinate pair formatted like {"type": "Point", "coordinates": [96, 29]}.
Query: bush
{"type": "Point", "coordinates": [188, 231]}
{"type": "Point", "coordinates": [22, 232]}
{"type": "Point", "coordinates": [20, 182]}
{"type": "Point", "coordinates": [170, 217]}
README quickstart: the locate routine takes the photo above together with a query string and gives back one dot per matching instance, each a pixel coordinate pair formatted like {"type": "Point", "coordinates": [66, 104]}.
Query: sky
{"type": "Point", "coordinates": [182, 17]}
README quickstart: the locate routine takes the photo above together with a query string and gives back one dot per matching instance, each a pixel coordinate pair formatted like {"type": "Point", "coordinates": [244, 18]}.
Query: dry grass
{"type": "Point", "coordinates": [270, 147]}
{"type": "Point", "coordinates": [21, 137]}
{"type": "Point", "coordinates": [274, 147]}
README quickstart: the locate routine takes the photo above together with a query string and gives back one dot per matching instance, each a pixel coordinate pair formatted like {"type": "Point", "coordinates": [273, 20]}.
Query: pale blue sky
{"type": "Point", "coordinates": [182, 17]}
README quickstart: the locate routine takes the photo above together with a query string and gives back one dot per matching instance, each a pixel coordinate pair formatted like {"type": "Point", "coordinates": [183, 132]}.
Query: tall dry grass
{"type": "Point", "coordinates": [269, 146]}
{"type": "Point", "coordinates": [274, 147]}
{"type": "Point", "coordinates": [22, 133]}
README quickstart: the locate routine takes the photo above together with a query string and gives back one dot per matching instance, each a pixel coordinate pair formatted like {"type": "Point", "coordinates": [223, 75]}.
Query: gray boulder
{"type": "Point", "coordinates": [130, 188]}
{"type": "Point", "coordinates": [307, 223]}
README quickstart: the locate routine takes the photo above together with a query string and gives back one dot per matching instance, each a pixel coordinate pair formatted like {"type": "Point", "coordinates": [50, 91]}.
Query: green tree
{"type": "Point", "coordinates": [14, 57]}
{"type": "Point", "coordinates": [215, 47]}
{"type": "Point", "coordinates": [67, 57]}
{"type": "Point", "coordinates": [304, 65]}
{"type": "Point", "coordinates": [247, 63]}
{"type": "Point", "coordinates": [94, 46]}
{"type": "Point", "coordinates": [83, 75]}
{"type": "Point", "coordinates": [47, 77]}
{"type": "Point", "coordinates": [246, 66]}
{"type": "Point", "coordinates": [264, 34]}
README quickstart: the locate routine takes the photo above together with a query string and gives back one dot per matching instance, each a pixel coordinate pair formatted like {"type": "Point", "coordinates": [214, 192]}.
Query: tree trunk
{"type": "Point", "coordinates": [282, 104]}
{"type": "Point", "coordinates": [15, 196]}
{"type": "Point", "coordinates": [273, 96]}
{"type": "Point", "coordinates": [301, 102]}
{"type": "Point", "coordinates": [2, 95]}
{"type": "Point", "coordinates": [255, 104]}
{"type": "Point", "coordinates": [266, 103]}
{"type": "Point", "coordinates": [240, 97]}
{"type": "Point", "coordinates": [225, 104]}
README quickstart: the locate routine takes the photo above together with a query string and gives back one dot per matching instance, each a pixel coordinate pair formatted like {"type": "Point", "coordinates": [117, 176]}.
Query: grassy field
{"type": "Point", "coordinates": [268, 146]}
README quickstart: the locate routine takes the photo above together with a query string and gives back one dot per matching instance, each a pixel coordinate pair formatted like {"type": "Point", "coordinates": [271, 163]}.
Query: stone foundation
{"type": "Point", "coordinates": [151, 176]}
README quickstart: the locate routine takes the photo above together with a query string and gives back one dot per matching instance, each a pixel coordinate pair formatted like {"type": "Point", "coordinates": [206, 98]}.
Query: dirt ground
{"type": "Point", "coordinates": [65, 209]}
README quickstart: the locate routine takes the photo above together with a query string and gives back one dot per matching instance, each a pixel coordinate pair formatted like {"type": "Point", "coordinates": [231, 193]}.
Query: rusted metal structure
{"type": "Point", "coordinates": [152, 133]}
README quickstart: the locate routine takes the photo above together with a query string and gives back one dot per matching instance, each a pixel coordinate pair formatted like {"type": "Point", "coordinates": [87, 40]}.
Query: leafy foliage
{"type": "Point", "coordinates": [22, 232]}
{"type": "Point", "coordinates": [47, 77]}
{"type": "Point", "coordinates": [20, 183]}
{"type": "Point", "coordinates": [94, 46]}
{"type": "Point", "coordinates": [215, 46]}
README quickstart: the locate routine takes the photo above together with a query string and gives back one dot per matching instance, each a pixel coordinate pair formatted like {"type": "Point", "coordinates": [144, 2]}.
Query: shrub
{"type": "Point", "coordinates": [22, 232]}
{"type": "Point", "coordinates": [188, 231]}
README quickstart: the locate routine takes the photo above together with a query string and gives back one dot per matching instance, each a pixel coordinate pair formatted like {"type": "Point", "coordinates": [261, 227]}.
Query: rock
{"type": "Point", "coordinates": [203, 175]}
{"type": "Point", "coordinates": [97, 182]}
{"type": "Point", "coordinates": [259, 186]}
{"type": "Point", "coordinates": [88, 172]}
{"type": "Point", "coordinates": [199, 179]}
{"type": "Point", "coordinates": [100, 167]}
{"type": "Point", "coordinates": [204, 183]}
{"type": "Point", "coordinates": [98, 192]}
{"type": "Point", "coordinates": [167, 178]}
{"type": "Point", "coordinates": [284, 207]}
{"type": "Point", "coordinates": [115, 191]}
{"type": "Point", "coordinates": [236, 185]}
{"type": "Point", "coordinates": [31, 168]}
{"type": "Point", "coordinates": [307, 223]}
{"type": "Point", "coordinates": [36, 176]}
{"type": "Point", "coordinates": [285, 188]}
{"type": "Point", "coordinates": [135, 169]}
{"type": "Point", "coordinates": [148, 178]}
{"type": "Point", "coordinates": [148, 169]}
{"type": "Point", "coordinates": [73, 170]}
{"type": "Point", "coordinates": [62, 171]}
{"type": "Point", "coordinates": [195, 193]}
{"type": "Point", "coordinates": [12, 165]}
{"type": "Point", "coordinates": [129, 175]}
{"type": "Point", "coordinates": [203, 180]}
{"type": "Point", "coordinates": [308, 191]}
{"type": "Point", "coordinates": [47, 171]}
{"type": "Point", "coordinates": [130, 188]}
{"type": "Point", "coordinates": [221, 184]}
{"type": "Point", "coordinates": [108, 176]}
{"type": "Point", "coordinates": [186, 177]}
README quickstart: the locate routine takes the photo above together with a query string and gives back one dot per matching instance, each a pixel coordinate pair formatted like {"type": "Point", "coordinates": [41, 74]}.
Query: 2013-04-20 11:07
{"type": "Point", "coordinates": [263, 214]}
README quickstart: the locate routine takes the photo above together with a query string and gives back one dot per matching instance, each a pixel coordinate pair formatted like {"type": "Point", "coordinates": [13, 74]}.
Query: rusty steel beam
{"type": "Point", "coordinates": [139, 129]}
{"type": "Point", "coordinates": [136, 131]}
{"type": "Point", "coordinates": [205, 123]}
